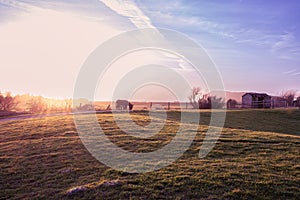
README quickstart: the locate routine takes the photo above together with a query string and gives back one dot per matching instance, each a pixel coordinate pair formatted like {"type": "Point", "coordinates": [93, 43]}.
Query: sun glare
{"type": "Point", "coordinates": [45, 49]}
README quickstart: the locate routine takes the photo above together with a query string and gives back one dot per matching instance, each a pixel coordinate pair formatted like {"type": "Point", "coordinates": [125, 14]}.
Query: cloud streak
{"type": "Point", "coordinates": [130, 10]}
{"type": "Point", "coordinates": [242, 24]}
{"type": "Point", "coordinates": [17, 5]}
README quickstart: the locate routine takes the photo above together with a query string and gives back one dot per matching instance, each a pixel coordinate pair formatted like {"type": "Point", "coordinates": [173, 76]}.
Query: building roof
{"type": "Point", "coordinates": [257, 94]}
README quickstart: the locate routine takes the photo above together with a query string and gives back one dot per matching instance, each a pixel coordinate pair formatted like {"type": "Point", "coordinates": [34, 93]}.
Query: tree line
{"type": "Point", "coordinates": [33, 104]}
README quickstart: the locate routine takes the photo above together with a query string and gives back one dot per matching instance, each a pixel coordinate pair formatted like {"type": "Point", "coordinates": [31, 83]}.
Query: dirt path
{"type": "Point", "coordinates": [34, 116]}
{"type": "Point", "coordinates": [31, 116]}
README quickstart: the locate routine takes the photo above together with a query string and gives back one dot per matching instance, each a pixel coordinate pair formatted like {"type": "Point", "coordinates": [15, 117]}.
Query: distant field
{"type": "Point", "coordinates": [256, 157]}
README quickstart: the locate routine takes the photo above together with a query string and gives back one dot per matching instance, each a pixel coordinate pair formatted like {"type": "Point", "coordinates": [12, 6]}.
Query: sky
{"type": "Point", "coordinates": [254, 44]}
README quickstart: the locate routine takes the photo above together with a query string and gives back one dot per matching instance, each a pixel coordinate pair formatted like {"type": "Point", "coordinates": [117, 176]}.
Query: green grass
{"type": "Point", "coordinates": [256, 157]}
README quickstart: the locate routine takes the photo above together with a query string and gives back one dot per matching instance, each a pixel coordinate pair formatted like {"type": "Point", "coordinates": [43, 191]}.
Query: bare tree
{"type": "Point", "coordinates": [37, 105]}
{"type": "Point", "coordinates": [216, 102]}
{"type": "Point", "coordinates": [194, 97]}
{"type": "Point", "coordinates": [289, 96]}
{"type": "Point", "coordinates": [68, 105]}
{"type": "Point", "coordinates": [1, 101]}
{"type": "Point", "coordinates": [201, 100]}
{"type": "Point", "coordinates": [7, 102]}
{"type": "Point", "coordinates": [204, 102]}
{"type": "Point", "coordinates": [208, 102]}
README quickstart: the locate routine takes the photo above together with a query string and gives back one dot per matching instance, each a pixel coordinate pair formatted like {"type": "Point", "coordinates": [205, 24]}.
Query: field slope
{"type": "Point", "coordinates": [256, 157]}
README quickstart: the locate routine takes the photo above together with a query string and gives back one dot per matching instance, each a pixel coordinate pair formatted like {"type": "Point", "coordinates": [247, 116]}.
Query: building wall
{"type": "Point", "coordinates": [247, 101]}
{"type": "Point", "coordinates": [267, 102]}
{"type": "Point", "coordinates": [256, 101]}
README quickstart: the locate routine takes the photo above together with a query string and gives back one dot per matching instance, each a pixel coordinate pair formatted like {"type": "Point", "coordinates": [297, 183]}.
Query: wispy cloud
{"type": "Point", "coordinates": [193, 23]}
{"type": "Point", "coordinates": [293, 72]}
{"type": "Point", "coordinates": [286, 46]}
{"type": "Point", "coordinates": [285, 41]}
{"type": "Point", "coordinates": [296, 74]}
{"type": "Point", "coordinates": [17, 5]}
{"type": "Point", "coordinates": [128, 8]}
{"type": "Point", "coordinates": [290, 71]}
{"type": "Point", "coordinates": [240, 23]}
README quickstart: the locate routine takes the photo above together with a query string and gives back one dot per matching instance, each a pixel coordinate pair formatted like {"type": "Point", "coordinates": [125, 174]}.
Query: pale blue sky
{"type": "Point", "coordinates": [255, 44]}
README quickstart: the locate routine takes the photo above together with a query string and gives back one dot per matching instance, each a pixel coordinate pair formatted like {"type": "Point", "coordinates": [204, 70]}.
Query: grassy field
{"type": "Point", "coordinates": [256, 157]}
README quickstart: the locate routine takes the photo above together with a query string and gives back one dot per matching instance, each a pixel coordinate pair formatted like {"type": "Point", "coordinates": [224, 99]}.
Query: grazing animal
{"type": "Point", "coordinates": [123, 105]}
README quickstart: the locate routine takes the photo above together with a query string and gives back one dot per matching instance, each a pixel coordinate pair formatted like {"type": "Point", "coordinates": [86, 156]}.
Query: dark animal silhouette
{"type": "Point", "coordinates": [123, 105]}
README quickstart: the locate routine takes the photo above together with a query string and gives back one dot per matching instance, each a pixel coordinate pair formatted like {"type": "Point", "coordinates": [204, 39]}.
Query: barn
{"type": "Point", "coordinates": [256, 100]}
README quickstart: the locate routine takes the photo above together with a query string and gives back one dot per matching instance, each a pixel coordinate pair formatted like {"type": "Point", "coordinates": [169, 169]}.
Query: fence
{"type": "Point", "coordinates": [187, 105]}
{"type": "Point", "coordinates": [146, 105]}
{"type": "Point", "coordinates": [263, 104]}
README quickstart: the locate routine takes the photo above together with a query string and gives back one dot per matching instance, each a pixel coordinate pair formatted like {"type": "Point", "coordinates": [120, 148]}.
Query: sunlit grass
{"type": "Point", "coordinates": [257, 156]}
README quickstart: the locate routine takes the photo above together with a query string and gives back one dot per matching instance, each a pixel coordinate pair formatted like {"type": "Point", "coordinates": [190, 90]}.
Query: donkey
{"type": "Point", "coordinates": [123, 105]}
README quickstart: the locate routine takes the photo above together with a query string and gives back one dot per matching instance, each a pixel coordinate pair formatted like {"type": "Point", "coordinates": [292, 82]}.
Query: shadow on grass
{"type": "Point", "coordinates": [279, 120]}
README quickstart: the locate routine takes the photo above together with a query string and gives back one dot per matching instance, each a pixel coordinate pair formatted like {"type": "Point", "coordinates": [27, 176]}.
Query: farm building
{"type": "Point", "coordinates": [297, 102]}
{"type": "Point", "coordinates": [256, 100]}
